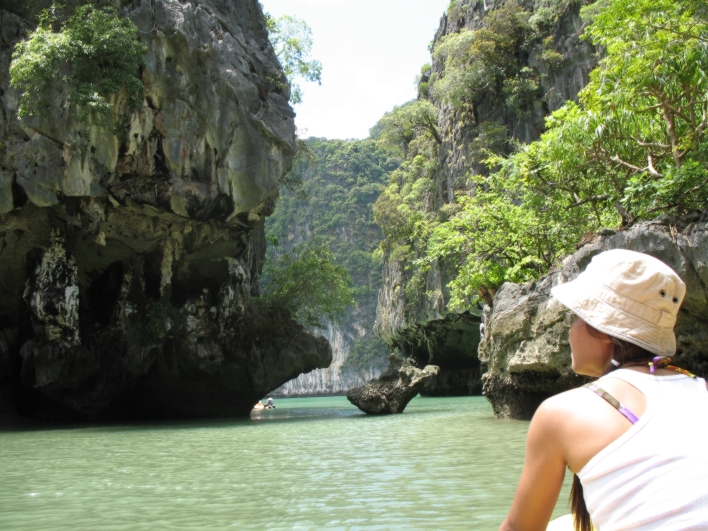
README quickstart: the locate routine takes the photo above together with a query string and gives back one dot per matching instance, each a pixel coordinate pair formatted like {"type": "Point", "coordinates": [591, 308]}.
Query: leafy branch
{"type": "Point", "coordinates": [94, 54]}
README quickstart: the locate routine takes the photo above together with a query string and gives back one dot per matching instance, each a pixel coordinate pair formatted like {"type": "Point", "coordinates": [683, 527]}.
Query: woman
{"type": "Point", "coordinates": [635, 438]}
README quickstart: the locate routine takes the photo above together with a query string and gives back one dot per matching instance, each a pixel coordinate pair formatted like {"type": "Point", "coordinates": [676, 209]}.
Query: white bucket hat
{"type": "Point", "coordinates": [628, 295]}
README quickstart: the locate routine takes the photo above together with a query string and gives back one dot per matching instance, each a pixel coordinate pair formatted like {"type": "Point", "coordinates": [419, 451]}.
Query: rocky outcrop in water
{"type": "Point", "coordinates": [393, 389]}
{"type": "Point", "coordinates": [525, 343]}
{"type": "Point", "coordinates": [419, 322]}
{"type": "Point", "coordinates": [127, 260]}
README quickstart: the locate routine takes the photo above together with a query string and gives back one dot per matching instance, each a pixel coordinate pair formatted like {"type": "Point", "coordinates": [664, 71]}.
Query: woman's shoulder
{"type": "Point", "coordinates": [565, 402]}
{"type": "Point", "coordinates": [561, 412]}
{"type": "Point", "coordinates": [572, 412]}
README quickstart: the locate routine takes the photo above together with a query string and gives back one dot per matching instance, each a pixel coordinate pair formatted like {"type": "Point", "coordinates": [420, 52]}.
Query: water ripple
{"type": "Point", "coordinates": [310, 464]}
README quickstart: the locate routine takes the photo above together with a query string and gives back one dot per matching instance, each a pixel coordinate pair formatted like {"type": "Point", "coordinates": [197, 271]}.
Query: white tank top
{"type": "Point", "coordinates": [655, 476]}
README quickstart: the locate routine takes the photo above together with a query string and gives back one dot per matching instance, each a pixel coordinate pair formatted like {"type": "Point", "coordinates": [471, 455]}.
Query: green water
{"type": "Point", "coordinates": [309, 464]}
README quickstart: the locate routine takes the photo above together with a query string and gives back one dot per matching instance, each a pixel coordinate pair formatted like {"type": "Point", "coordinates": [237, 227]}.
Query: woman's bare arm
{"type": "Point", "coordinates": [542, 475]}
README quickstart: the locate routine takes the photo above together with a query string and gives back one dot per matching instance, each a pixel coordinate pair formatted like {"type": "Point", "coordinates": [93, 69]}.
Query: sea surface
{"type": "Point", "coordinates": [309, 464]}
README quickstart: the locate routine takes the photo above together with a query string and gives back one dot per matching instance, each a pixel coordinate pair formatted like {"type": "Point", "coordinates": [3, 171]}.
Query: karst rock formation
{"type": "Point", "coordinates": [393, 389]}
{"type": "Point", "coordinates": [127, 259]}
{"type": "Point", "coordinates": [421, 325]}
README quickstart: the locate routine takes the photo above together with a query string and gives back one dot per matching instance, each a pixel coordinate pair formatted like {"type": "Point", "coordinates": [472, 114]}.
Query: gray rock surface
{"type": "Point", "coordinates": [127, 259]}
{"type": "Point", "coordinates": [422, 326]}
{"type": "Point", "coordinates": [393, 389]}
{"type": "Point", "coordinates": [335, 379]}
{"type": "Point", "coordinates": [525, 343]}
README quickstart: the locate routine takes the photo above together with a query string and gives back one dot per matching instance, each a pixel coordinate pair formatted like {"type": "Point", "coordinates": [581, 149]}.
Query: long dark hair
{"type": "Point", "coordinates": [624, 352]}
{"type": "Point", "coordinates": [581, 516]}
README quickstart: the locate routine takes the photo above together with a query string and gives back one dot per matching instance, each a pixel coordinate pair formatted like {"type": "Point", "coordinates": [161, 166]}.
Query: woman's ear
{"type": "Point", "coordinates": [605, 338]}
{"type": "Point", "coordinates": [597, 334]}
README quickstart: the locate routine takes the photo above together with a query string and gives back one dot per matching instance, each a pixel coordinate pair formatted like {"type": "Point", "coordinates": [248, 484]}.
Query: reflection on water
{"type": "Point", "coordinates": [309, 464]}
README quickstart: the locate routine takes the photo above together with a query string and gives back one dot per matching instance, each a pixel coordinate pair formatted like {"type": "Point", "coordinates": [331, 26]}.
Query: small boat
{"type": "Point", "coordinates": [259, 405]}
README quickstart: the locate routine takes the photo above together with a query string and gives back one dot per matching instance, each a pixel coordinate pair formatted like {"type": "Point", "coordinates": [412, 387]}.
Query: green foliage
{"type": "Point", "coordinates": [520, 91]}
{"type": "Point", "coordinates": [492, 138]}
{"type": "Point", "coordinates": [149, 326]}
{"type": "Point", "coordinates": [643, 116]}
{"type": "Point", "coordinates": [423, 80]}
{"type": "Point", "coordinates": [405, 210]}
{"type": "Point", "coordinates": [478, 61]}
{"type": "Point", "coordinates": [632, 148]}
{"type": "Point", "coordinates": [453, 10]}
{"type": "Point", "coordinates": [95, 55]}
{"type": "Point", "coordinates": [486, 66]}
{"type": "Point", "coordinates": [490, 61]}
{"type": "Point", "coordinates": [550, 55]}
{"type": "Point", "coordinates": [304, 158]}
{"type": "Point", "coordinates": [367, 352]}
{"type": "Point", "coordinates": [547, 12]}
{"type": "Point", "coordinates": [292, 41]}
{"type": "Point", "coordinates": [307, 282]}
{"type": "Point", "coordinates": [401, 125]}
{"type": "Point", "coordinates": [340, 189]}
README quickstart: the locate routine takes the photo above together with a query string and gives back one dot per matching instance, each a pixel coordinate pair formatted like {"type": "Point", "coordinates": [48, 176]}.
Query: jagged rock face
{"type": "Point", "coordinates": [391, 392]}
{"type": "Point", "coordinates": [341, 187]}
{"type": "Point", "coordinates": [332, 380]}
{"type": "Point", "coordinates": [126, 260]}
{"type": "Point", "coordinates": [407, 322]}
{"type": "Point", "coordinates": [525, 342]}
{"type": "Point", "coordinates": [210, 142]}
{"type": "Point", "coordinates": [430, 333]}
{"type": "Point", "coordinates": [558, 84]}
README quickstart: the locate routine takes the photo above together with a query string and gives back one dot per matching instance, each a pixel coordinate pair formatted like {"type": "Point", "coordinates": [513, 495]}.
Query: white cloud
{"type": "Point", "coordinates": [371, 52]}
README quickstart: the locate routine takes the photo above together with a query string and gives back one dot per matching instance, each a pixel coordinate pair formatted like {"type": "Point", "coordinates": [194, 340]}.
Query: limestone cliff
{"type": "Point", "coordinates": [336, 379]}
{"type": "Point", "coordinates": [525, 342]}
{"type": "Point", "coordinates": [416, 319]}
{"type": "Point", "coordinates": [340, 186]}
{"type": "Point", "coordinates": [127, 259]}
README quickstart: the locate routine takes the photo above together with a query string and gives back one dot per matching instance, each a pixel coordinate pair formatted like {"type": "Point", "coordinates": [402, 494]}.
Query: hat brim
{"type": "Point", "coordinates": [585, 302]}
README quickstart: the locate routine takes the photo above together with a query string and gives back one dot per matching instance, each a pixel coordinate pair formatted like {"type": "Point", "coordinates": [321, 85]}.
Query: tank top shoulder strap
{"type": "Point", "coordinates": [631, 417]}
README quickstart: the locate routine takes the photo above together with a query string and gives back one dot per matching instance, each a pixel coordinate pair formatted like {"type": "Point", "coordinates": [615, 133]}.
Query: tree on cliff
{"type": "Point", "coordinates": [308, 283]}
{"type": "Point", "coordinates": [399, 127]}
{"type": "Point", "coordinates": [334, 204]}
{"type": "Point", "coordinates": [292, 41]}
{"type": "Point", "coordinates": [633, 147]}
{"type": "Point", "coordinates": [94, 55]}
{"type": "Point", "coordinates": [489, 61]}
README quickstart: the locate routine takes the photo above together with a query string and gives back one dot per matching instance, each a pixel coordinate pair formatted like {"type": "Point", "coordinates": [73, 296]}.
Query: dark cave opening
{"type": "Point", "coordinates": [103, 293]}
{"type": "Point", "coordinates": [192, 279]}
{"type": "Point", "coordinates": [159, 159]}
{"type": "Point", "coordinates": [152, 275]}
{"type": "Point", "coordinates": [19, 196]}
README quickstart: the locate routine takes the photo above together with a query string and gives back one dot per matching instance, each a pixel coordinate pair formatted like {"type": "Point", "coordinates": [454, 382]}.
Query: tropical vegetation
{"type": "Point", "coordinates": [340, 179]}
{"type": "Point", "coordinates": [631, 148]}
{"type": "Point", "coordinates": [291, 38]}
{"type": "Point", "coordinates": [93, 55]}
{"type": "Point", "coordinates": [307, 282]}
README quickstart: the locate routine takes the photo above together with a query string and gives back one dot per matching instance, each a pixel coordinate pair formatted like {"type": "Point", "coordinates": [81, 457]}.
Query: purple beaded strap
{"type": "Point", "coordinates": [631, 417]}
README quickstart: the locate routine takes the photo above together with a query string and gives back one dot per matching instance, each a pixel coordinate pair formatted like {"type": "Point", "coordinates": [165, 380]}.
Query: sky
{"type": "Point", "coordinates": [371, 52]}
